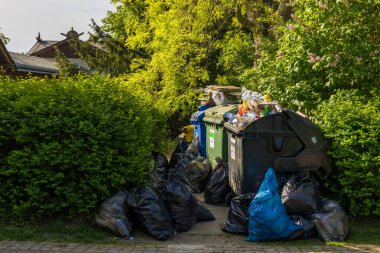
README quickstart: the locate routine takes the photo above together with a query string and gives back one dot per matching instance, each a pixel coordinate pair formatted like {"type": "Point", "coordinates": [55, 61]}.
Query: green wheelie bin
{"type": "Point", "coordinates": [216, 135]}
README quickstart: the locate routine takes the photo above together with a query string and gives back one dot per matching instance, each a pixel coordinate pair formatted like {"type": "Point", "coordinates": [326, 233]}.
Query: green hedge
{"type": "Point", "coordinates": [352, 125]}
{"type": "Point", "coordinates": [66, 144]}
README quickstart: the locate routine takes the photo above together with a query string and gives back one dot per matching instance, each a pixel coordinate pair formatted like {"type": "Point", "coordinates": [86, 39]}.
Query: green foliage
{"type": "Point", "coordinates": [66, 68]}
{"type": "Point", "coordinates": [104, 53]}
{"type": "Point", "coordinates": [328, 45]}
{"type": "Point", "coordinates": [174, 47]}
{"type": "Point", "coordinates": [352, 125]}
{"type": "Point", "coordinates": [4, 39]}
{"type": "Point", "coordinates": [67, 144]}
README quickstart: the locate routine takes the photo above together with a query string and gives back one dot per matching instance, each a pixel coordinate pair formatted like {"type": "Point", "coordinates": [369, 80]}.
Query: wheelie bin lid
{"type": "Point", "coordinates": [197, 117]}
{"type": "Point", "coordinates": [216, 114]}
{"type": "Point", "coordinates": [203, 107]}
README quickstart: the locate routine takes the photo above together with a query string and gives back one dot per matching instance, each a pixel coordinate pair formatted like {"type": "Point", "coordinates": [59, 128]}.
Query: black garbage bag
{"type": "Point", "coordinates": [150, 212]}
{"type": "Point", "coordinates": [301, 196]}
{"type": "Point", "coordinates": [181, 204]}
{"type": "Point", "coordinates": [192, 151]}
{"type": "Point", "coordinates": [332, 222]}
{"type": "Point", "coordinates": [159, 173]}
{"type": "Point", "coordinates": [198, 171]}
{"type": "Point", "coordinates": [203, 214]}
{"type": "Point", "coordinates": [307, 226]}
{"type": "Point", "coordinates": [179, 171]}
{"type": "Point", "coordinates": [238, 215]}
{"type": "Point", "coordinates": [113, 215]}
{"type": "Point", "coordinates": [189, 167]}
{"type": "Point", "coordinates": [180, 149]}
{"type": "Point", "coordinates": [217, 187]}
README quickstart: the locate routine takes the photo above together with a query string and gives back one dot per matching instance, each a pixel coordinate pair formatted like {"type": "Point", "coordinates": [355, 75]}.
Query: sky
{"type": "Point", "coordinates": [21, 20]}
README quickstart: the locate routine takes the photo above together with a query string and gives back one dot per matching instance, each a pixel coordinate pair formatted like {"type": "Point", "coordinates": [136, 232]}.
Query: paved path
{"type": "Point", "coordinates": [204, 244]}
{"type": "Point", "coordinates": [205, 237]}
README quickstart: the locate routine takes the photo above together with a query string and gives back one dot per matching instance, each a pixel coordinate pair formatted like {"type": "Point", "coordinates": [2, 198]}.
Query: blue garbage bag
{"type": "Point", "coordinates": [267, 217]}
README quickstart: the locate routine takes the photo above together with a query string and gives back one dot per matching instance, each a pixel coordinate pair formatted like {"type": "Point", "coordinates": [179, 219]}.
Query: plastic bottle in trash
{"type": "Point", "coordinates": [267, 97]}
{"type": "Point", "coordinates": [266, 110]}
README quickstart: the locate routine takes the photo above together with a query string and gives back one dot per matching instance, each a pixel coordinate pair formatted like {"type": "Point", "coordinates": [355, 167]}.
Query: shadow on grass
{"type": "Point", "coordinates": [58, 231]}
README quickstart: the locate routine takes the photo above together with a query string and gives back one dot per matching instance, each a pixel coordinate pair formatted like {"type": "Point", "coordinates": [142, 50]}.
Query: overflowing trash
{"type": "Point", "coordinates": [254, 107]}
{"type": "Point", "coordinates": [285, 141]}
{"type": "Point", "coordinates": [280, 203]}
{"type": "Point", "coordinates": [221, 95]}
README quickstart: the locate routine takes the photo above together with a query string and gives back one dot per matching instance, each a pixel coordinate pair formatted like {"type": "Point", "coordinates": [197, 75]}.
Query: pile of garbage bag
{"type": "Point", "coordinates": [300, 212]}
{"type": "Point", "coordinates": [169, 206]}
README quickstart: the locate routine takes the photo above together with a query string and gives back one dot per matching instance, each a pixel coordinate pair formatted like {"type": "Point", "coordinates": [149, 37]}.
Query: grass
{"type": "Point", "coordinates": [363, 231]}
{"type": "Point", "coordinates": [58, 231]}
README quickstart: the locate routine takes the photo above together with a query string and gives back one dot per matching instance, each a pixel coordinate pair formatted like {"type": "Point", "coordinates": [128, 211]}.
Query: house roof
{"type": "Point", "coordinates": [47, 48]}
{"type": "Point", "coordinates": [31, 62]}
{"type": "Point", "coordinates": [28, 63]}
{"type": "Point", "coordinates": [42, 44]}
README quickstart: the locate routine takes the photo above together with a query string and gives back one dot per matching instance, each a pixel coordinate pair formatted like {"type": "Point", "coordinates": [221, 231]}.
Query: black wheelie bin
{"type": "Point", "coordinates": [285, 141]}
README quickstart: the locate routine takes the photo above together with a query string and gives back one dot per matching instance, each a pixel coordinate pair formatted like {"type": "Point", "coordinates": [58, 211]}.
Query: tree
{"type": "Point", "coordinates": [327, 46]}
{"type": "Point", "coordinates": [105, 53]}
{"type": "Point", "coordinates": [4, 39]}
{"type": "Point", "coordinates": [66, 68]}
{"type": "Point", "coordinates": [175, 47]}
{"type": "Point", "coordinates": [171, 48]}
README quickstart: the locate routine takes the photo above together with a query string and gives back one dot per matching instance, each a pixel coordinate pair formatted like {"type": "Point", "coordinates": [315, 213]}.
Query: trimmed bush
{"type": "Point", "coordinates": [352, 125]}
{"type": "Point", "coordinates": [67, 144]}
